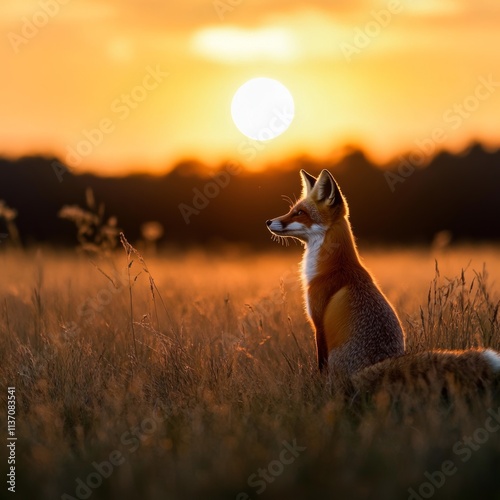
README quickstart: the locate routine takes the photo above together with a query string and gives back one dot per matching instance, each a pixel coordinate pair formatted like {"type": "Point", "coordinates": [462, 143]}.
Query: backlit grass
{"type": "Point", "coordinates": [190, 371]}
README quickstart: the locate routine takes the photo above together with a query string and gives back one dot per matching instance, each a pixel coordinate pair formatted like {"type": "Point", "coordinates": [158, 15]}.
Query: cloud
{"type": "Point", "coordinates": [234, 44]}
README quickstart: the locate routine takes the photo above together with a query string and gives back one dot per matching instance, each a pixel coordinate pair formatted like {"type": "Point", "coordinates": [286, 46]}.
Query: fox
{"type": "Point", "coordinates": [358, 333]}
{"type": "Point", "coordinates": [470, 371]}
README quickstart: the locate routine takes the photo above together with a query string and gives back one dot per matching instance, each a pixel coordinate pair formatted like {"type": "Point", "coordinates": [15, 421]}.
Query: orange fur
{"type": "Point", "coordinates": [358, 334]}
{"type": "Point", "coordinates": [338, 268]}
{"type": "Point", "coordinates": [336, 284]}
{"type": "Point", "coordinates": [337, 320]}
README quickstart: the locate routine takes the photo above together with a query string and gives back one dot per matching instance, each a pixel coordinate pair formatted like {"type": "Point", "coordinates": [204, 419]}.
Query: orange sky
{"type": "Point", "coordinates": [158, 77]}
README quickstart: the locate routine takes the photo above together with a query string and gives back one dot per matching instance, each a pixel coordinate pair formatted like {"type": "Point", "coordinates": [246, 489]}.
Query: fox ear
{"type": "Point", "coordinates": [308, 182]}
{"type": "Point", "coordinates": [326, 189]}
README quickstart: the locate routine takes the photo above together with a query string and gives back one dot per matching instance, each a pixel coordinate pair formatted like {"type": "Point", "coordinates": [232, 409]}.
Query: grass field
{"type": "Point", "coordinates": [199, 380]}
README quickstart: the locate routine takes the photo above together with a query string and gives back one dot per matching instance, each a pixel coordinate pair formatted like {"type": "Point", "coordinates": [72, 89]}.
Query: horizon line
{"type": "Point", "coordinates": [416, 157]}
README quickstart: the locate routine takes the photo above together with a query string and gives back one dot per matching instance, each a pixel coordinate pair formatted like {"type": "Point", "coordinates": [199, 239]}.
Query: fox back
{"type": "Point", "coordinates": [355, 325]}
{"type": "Point", "coordinates": [428, 374]}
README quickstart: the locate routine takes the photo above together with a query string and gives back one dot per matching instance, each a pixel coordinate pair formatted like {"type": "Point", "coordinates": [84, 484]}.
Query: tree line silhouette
{"type": "Point", "coordinates": [196, 206]}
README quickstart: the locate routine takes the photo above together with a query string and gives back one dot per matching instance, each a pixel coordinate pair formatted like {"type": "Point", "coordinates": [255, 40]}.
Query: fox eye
{"type": "Point", "coordinates": [299, 212]}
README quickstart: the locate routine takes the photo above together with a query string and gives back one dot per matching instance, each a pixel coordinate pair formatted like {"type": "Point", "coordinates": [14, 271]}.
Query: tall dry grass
{"type": "Point", "coordinates": [196, 368]}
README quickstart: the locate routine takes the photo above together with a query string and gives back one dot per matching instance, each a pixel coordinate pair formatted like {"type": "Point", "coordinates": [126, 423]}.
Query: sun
{"type": "Point", "coordinates": [262, 109]}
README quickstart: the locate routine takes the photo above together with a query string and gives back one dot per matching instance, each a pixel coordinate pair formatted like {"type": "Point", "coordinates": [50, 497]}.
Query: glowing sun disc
{"type": "Point", "coordinates": [262, 109]}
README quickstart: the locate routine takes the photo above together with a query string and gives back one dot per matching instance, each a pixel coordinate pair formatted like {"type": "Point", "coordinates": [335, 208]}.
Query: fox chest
{"type": "Point", "coordinates": [331, 316]}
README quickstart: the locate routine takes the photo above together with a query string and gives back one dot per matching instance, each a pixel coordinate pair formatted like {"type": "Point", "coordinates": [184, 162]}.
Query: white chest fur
{"type": "Point", "coordinates": [310, 262]}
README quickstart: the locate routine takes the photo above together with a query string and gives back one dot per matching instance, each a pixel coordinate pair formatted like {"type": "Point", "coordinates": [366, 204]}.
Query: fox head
{"type": "Point", "coordinates": [322, 205]}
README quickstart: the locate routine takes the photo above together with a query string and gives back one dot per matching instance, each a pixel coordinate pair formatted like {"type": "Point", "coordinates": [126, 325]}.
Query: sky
{"type": "Point", "coordinates": [115, 86]}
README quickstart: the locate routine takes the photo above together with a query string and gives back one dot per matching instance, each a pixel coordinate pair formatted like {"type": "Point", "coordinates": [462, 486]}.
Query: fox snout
{"type": "Point", "coordinates": [282, 226]}
{"type": "Point", "coordinates": [274, 225]}
{"type": "Point", "coordinates": [294, 224]}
